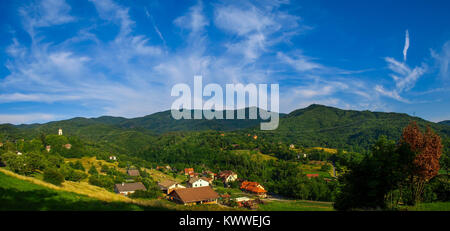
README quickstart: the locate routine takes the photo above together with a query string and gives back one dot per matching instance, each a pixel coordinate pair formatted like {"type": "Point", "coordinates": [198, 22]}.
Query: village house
{"type": "Point", "coordinates": [67, 146]}
{"type": "Point", "coordinates": [60, 132]}
{"type": "Point", "coordinates": [227, 176]}
{"type": "Point", "coordinates": [133, 172]}
{"type": "Point", "coordinates": [195, 182]}
{"type": "Point", "coordinates": [209, 174]}
{"type": "Point", "coordinates": [192, 196]}
{"type": "Point", "coordinates": [1, 144]}
{"type": "Point", "coordinates": [312, 175]}
{"type": "Point", "coordinates": [128, 188]}
{"type": "Point", "coordinates": [188, 171]}
{"type": "Point", "coordinates": [48, 148]}
{"type": "Point", "coordinates": [254, 187]}
{"type": "Point", "coordinates": [167, 186]}
{"type": "Point", "coordinates": [113, 158]}
{"type": "Point", "coordinates": [291, 146]}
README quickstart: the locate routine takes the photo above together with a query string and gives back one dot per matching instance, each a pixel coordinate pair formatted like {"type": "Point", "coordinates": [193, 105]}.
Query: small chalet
{"type": "Point", "coordinates": [192, 196]}
{"type": "Point", "coordinates": [67, 146]}
{"type": "Point", "coordinates": [133, 172]}
{"type": "Point", "coordinates": [209, 174]}
{"type": "Point", "coordinates": [227, 176]}
{"type": "Point", "coordinates": [128, 188]}
{"type": "Point", "coordinates": [167, 186]}
{"type": "Point", "coordinates": [195, 182]}
{"type": "Point", "coordinates": [188, 171]}
{"type": "Point", "coordinates": [254, 187]}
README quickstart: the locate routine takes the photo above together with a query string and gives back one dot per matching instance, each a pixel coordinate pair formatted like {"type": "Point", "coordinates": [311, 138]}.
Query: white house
{"type": "Point", "coordinates": [195, 182]}
{"type": "Point", "coordinates": [168, 186]}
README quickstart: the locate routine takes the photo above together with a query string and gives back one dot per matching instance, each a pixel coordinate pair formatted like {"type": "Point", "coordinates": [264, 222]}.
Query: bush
{"type": "Point", "coordinates": [102, 181]}
{"type": "Point", "coordinates": [75, 175]}
{"type": "Point", "coordinates": [53, 176]}
{"type": "Point", "coordinates": [93, 170]}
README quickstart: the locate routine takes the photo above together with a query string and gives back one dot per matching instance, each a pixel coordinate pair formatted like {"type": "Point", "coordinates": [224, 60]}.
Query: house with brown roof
{"type": "Point", "coordinates": [133, 172]}
{"type": "Point", "coordinates": [227, 176]}
{"type": "Point", "coordinates": [195, 182]}
{"type": "Point", "coordinates": [167, 186]}
{"type": "Point", "coordinates": [254, 187]}
{"type": "Point", "coordinates": [67, 146]}
{"type": "Point", "coordinates": [192, 196]}
{"type": "Point", "coordinates": [128, 188]}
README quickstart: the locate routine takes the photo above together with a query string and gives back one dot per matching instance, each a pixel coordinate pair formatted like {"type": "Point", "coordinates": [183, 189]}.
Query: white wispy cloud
{"type": "Point", "coordinates": [405, 49]}
{"type": "Point", "coordinates": [405, 79]}
{"type": "Point", "coordinates": [301, 63]}
{"type": "Point", "coordinates": [26, 118]}
{"type": "Point", "coordinates": [443, 60]}
{"type": "Point", "coordinates": [45, 13]}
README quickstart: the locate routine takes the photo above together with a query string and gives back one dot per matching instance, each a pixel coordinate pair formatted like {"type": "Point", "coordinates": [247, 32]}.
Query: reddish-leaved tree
{"type": "Point", "coordinates": [428, 149]}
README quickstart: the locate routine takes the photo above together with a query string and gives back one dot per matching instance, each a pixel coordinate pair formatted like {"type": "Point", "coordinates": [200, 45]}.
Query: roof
{"type": "Point", "coordinates": [312, 175]}
{"type": "Point", "coordinates": [190, 195]}
{"type": "Point", "coordinates": [195, 179]}
{"type": "Point", "coordinates": [133, 172]}
{"type": "Point", "coordinates": [167, 183]}
{"type": "Point", "coordinates": [253, 187]}
{"type": "Point", "coordinates": [188, 170]}
{"type": "Point", "coordinates": [124, 187]}
{"type": "Point", "coordinates": [226, 173]}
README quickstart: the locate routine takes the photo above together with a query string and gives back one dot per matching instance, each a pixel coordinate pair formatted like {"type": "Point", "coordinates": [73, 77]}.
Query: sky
{"type": "Point", "coordinates": [67, 58]}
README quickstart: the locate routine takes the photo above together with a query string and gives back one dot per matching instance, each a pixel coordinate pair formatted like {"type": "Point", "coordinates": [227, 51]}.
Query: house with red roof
{"type": "Point", "coordinates": [254, 187]}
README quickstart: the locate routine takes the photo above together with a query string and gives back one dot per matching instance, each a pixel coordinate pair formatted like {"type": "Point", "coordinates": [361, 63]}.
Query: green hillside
{"type": "Point", "coordinates": [445, 122]}
{"type": "Point", "coordinates": [17, 194]}
{"type": "Point", "coordinates": [315, 125]}
{"type": "Point", "coordinates": [324, 126]}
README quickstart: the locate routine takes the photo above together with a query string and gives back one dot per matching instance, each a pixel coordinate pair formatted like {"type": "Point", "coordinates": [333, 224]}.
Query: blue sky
{"type": "Point", "coordinates": [66, 58]}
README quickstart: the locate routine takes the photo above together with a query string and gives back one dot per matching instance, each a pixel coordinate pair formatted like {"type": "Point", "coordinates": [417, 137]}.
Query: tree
{"type": "Point", "coordinates": [53, 176]}
{"type": "Point", "coordinates": [93, 170]}
{"type": "Point", "coordinates": [428, 150]}
{"type": "Point", "coordinates": [367, 185]}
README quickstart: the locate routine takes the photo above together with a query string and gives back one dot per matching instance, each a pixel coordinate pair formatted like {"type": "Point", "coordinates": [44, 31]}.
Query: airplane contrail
{"type": "Point", "coordinates": [405, 49]}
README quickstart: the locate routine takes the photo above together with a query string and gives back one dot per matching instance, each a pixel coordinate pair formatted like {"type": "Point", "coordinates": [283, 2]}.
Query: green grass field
{"type": "Point", "coordinates": [17, 194]}
{"type": "Point", "coordinates": [435, 206]}
{"type": "Point", "coordinates": [296, 206]}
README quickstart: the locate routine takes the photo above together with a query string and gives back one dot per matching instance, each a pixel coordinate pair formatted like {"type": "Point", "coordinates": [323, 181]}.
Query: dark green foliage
{"type": "Point", "coordinates": [77, 165]}
{"type": "Point", "coordinates": [368, 183]}
{"type": "Point", "coordinates": [93, 170]}
{"type": "Point", "coordinates": [53, 176]}
{"type": "Point", "coordinates": [71, 174]}
{"type": "Point", "coordinates": [102, 181]}
{"type": "Point", "coordinates": [25, 163]}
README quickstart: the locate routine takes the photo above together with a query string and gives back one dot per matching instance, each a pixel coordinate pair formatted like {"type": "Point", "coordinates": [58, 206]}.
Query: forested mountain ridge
{"type": "Point", "coordinates": [445, 122]}
{"type": "Point", "coordinates": [316, 125]}
{"type": "Point", "coordinates": [319, 125]}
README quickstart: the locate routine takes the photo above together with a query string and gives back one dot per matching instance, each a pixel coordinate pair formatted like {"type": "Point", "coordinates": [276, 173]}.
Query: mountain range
{"type": "Point", "coordinates": [315, 125]}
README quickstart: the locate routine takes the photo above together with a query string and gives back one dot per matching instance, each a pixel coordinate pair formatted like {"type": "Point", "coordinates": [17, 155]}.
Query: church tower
{"type": "Point", "coordinates": [60, 132]}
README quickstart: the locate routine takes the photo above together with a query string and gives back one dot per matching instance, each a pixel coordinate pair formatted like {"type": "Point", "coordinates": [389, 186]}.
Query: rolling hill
{"type": "Point", "coordinates": [316, 125]}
